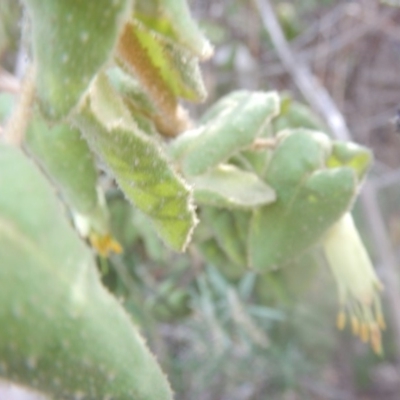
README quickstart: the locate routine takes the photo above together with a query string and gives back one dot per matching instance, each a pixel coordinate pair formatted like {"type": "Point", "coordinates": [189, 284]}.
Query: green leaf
{"type": "Point", "coordinates": [352, 155]}
{"type": "Point", "coordinates": [223, 227]}
{"type": "Point", "coordinates": [172, 19]}
{"type": "Point", "coordinates": [140, 168]}
{"type": "Point", "coordinates": [242, 223]}
{"type": "Point", "coordinates": [67, 159]}
{"type": "Point", "coordinates": [131, 91]}
{"type": "Point", "coordinates": [311, 197]}
{"type": "Point", "coordinates": [225, 104]}
{"type": "Point", "coordinates": [290, 283]}
{"type": "Point", "coordinates": [297, 115]}
{"type": "Point", "coordinates": [254, 160]}
{"type": "Point", "coordinates": [148, 66]}
{"type": "Point", "coordinates": [72, 40]}
{"type": "Point", "coordinates": [142, 109]}
{"type": "Point", "coordinates": [229, 187]}
{"type": "Point", "coordinates": [121, 221]}
{"type": "Point", "coordinates": [230, 126]}
{"type": "Point", "coordinates": [215, 256]}
{"type": "Point", "coordinates": [62, 332]}
{"type": "Point", "coordinates": [177, 67]}
{"type": "Point", "coordinates": [154, 247]}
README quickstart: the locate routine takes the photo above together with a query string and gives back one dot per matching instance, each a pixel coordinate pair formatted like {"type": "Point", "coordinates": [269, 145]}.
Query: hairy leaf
{"type": "Point", "coordinates": [172, 19]}
{"type": "Point", "coordinates": [229, 187]}
{"type": "Point", "coordinates": [352, 155]}
{"type": "Point", "coordinates": [140, 168]}
{"type": "Point", "coordinates": [177, 67]}
{"type": "Point", "coordinates": [66, 157]}
{"type": "Point", "coordinates": [311, 197]}
{"type": "Point", "coordinates": [68, 161]}
{"type": "Point", "coordinates": [131, 91]}
{"type": "Point", "coordinates": [72, 40]}
{"type": "Point", "coordinates": [62, 332]}
{"type": "Point", "coordinates": [230, 126]}
{"type": "Point", "coordinates": [297, 115]}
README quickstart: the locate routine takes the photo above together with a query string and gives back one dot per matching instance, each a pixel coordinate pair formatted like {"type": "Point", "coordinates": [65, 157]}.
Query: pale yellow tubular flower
{"type": "Point", "coordinates": [358, 286]}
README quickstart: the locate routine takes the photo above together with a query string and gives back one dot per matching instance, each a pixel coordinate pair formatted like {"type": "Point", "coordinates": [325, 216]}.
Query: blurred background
{"type": "Point", "coordinates": [224, 338]}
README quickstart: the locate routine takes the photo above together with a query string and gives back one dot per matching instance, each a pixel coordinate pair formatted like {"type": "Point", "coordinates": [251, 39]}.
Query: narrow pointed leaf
{"type": "Point", "coordinates": [62, 332]}
{"type": "Point", "coordinates": [140, 168]}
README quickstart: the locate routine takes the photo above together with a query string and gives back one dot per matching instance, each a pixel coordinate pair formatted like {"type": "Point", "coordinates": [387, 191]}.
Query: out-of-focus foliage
{"type": "Point", "coordinates": [10, 13]}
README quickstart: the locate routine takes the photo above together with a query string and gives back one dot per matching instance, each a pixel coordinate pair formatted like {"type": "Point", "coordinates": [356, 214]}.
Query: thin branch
{"type": "Point", "coordinates": [326, 22]}
{"type": "Point", "coordinates": [362, 28]}
{"type": "Point", "coordinates": [314, 93]}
